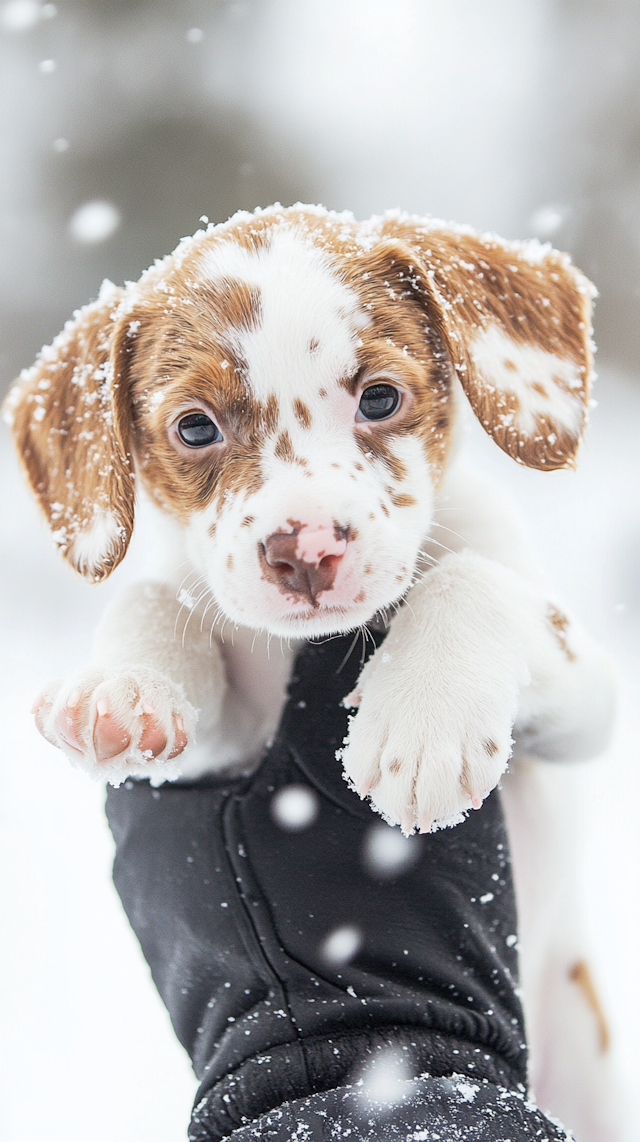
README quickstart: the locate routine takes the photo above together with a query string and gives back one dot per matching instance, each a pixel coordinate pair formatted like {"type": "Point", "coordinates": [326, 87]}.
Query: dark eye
{"type": "Point", "coordinates": [197, 430]}
{"type": "Point", "coordinates": [379, 401]}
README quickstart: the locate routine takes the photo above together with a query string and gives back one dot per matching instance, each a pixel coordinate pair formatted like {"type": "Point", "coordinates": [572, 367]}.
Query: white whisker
{"type": "Point", "coordinates": [202, 595]}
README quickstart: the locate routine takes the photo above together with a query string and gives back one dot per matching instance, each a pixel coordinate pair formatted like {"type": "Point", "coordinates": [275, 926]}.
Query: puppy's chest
{"type": "Point", "coordinates": [259, 666]}
{"type": "Point", "coordinates": [259, 670]}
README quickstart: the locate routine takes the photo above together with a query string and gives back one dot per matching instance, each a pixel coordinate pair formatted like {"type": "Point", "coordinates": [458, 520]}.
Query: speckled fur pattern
{"type": "Point", "coordinates": [304, 519]}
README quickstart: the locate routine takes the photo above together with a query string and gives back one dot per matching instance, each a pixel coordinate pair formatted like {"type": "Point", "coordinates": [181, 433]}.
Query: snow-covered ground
{"type": "Point", "coordinates": [89, 1054]}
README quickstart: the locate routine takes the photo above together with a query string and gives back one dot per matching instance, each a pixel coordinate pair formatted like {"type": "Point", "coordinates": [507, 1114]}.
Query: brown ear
{"type": "Point", "coordinates": [70, 424]}
{"type": "Point", "coordinates": [516, 317]}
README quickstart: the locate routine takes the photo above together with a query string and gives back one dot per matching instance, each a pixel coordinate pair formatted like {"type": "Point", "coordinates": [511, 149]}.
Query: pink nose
{"type": "Point", "coordinates": [303, 562]}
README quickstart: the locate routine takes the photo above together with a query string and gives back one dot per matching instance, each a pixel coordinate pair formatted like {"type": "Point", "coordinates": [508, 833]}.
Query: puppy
{"type": "Point", "coordinates": [282, 395]}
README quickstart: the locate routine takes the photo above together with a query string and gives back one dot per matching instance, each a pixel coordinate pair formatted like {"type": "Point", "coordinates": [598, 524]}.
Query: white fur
{"type": "Point", "coordinates": [511, 367]}
{"type": "Point", "coordinates": [93, 545]}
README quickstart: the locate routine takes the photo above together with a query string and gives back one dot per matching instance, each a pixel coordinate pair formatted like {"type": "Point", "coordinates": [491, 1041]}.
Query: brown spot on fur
{"type": "Point", "coordinates": [213, 527]}
{"type": "Point", "coordinates": [510, 365]}
{"type": "Point", "coordinates": [270, 414]}
{"type": "Point", "coordinates": [465, 778]}
{"type": "Point", "coordinates": [344, 531]}
{"type": "Point", "coordinates": [248, 520]}
{"type": "Point", "coordinates": [384, 508]}
{"type": "Point", "coordinates": [360, 597]}
{"type": "Point", "coordinates": [538, 388]}
{"type": "Point", "coordinates": [490, 748]}
{"type": "Point", "coordinates": [284, 451]}
{"type": "Point", "coordinates": [230, 561]}
{"type": "Point", "coordinates": [323, 393]}
{"type": "Point", "coordinates": [395, 767]}
{"type": "Point", "coordinates": [314, 345]}
{"type": "Point", "coordinates": [402, 501]}
{"type": "Point", "coordinates": [284, 448]}
{"type": "Point", "coordinates": [580, 974]}
{"type": "Point", "coordinates": [302, 413]}
{"type": "Point", "coordinates": [560, 624]}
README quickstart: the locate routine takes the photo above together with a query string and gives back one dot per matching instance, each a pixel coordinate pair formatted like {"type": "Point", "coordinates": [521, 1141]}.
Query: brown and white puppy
{"type": "Point", "coordinates": [283, 391]}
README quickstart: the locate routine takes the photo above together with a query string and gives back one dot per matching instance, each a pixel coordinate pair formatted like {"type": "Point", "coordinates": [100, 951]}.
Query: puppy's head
{"type": "Point", "coordinates": [283, 385]}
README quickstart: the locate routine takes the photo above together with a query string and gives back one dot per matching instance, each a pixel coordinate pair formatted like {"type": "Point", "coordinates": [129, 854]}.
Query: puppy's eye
{"type": "Point", "coordinates": [379, 402]}
{"type": "Point", "coordinates": [197, 430]}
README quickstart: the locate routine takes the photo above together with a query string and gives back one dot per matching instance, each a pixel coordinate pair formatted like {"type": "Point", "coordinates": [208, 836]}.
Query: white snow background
{"type": "Point", "coordinates": [514, 117]}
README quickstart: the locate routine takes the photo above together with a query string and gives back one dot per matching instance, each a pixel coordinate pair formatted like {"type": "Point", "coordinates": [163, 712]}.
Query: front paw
{"type": "Point", "coordinates": [427, 744]}
{"type": "Point", "coordinates": [118, 723]}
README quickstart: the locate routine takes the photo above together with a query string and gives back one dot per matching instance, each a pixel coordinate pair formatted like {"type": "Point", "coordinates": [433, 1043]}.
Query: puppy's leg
{"type": "Point", "coordinates": [480, 650]}
{"type": "Point", "coordinates": [133, 711]}
{"type": "Point", "coordinates": [572, 1060]}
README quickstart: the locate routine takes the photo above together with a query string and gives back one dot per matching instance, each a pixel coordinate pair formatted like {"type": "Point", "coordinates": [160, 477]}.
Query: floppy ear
{"type": "Point", "coordinates": [70, 421]}
{"type": "Point", "coordinates": [516, 318]}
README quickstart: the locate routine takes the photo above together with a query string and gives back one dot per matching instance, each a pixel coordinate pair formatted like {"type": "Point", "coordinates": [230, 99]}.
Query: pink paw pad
{"type": "Point", "coordinates": [110, 738]}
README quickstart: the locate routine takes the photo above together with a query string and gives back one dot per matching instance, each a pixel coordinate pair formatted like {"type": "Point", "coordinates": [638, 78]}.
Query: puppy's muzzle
{"type": "Point", "coordinates": [303, 563]}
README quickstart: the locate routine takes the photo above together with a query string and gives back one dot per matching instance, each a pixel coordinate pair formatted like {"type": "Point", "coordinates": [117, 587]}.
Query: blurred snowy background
{"type": "Point", "coordinates": [123, 121]}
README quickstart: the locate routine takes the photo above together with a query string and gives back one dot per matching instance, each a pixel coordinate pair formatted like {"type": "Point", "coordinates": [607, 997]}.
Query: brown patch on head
{"type": "Point", "coordinates": [213, 527]}
{"type": "Point", "coordinates": [580, 974]}
{"type": "Point", "coordinates": [236, 304]}
{"type": "Point", "coordinates": [314, 345]}
{"type": "Point", "coordinates": [384, 508]}
{"type": "Point", "coordinates": [560, 624]}
{"type": "Point", "coordinates": [395, 767]}
{"type": "Point", "coordinates": [510, 366]}
{"type": "Point", "coordinates": [360, 597]}
{"type": "Point", "coordinates": [490, 748]}
{"type": "Point", "coordinates": [302, 413]}
{"type": "Point", "coordinates": [230, 561]}
{"type": "Point", "coordinates": [322, 393]}
{"type": "Point", "coordinates": [248, 520]}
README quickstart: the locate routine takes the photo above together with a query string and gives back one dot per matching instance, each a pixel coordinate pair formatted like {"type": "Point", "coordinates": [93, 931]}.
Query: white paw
{"type": "Point", "coordinates": [431, 739]}
{"type": "Point", "coordinates": [118, 723]}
